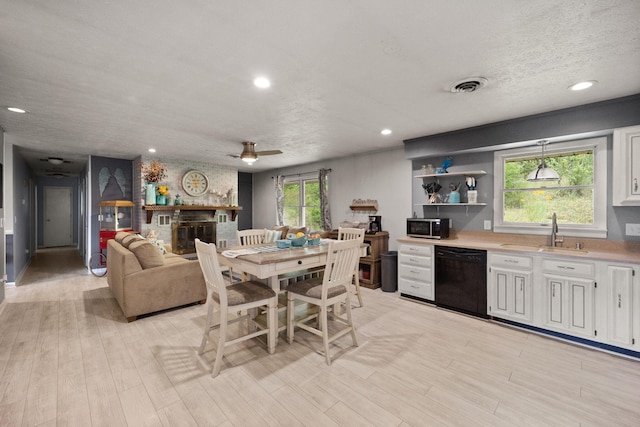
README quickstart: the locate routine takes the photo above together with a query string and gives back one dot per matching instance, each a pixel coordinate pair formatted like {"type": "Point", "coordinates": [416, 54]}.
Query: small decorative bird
{"type": "Point", "coordinates": [445, 165]}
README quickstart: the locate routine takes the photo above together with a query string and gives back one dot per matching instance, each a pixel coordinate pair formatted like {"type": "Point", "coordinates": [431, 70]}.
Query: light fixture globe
{"type": "Point", "coordinates": [543, 173]}
{"type": "Point", "coordinates": [55, 160]}
{"type": "Point", "coordinates": [249, 152]}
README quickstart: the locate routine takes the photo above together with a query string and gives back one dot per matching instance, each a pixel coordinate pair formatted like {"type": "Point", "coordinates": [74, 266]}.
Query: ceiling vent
{"type": "Point", "coordinates": [470, 84]}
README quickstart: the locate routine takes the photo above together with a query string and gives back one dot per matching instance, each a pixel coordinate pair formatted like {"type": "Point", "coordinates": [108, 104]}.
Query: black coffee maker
{"type": "Point", "coordinates": [375, 224]}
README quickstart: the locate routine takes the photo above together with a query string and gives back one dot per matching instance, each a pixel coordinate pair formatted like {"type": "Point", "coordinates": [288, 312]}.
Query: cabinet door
{"type": "Point", "coordinates": [619, 302]}
{"type": "Point", "coordinates": [510, 294]}
{"type": "Point", "coordinates": [626, 166]}
{"type": "Point", "coordinates": [569, 304]}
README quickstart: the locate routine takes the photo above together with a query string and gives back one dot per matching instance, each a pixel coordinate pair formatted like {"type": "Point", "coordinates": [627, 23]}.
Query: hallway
{"type": "Point", "coordinates": [54, 264]}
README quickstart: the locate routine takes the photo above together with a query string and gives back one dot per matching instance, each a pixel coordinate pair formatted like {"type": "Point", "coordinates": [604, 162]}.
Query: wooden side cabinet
{"type": "Point", "coordinates": [370, 265]}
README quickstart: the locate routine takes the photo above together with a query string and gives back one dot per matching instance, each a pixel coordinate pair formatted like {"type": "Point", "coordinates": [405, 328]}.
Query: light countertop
{"type": "Point", "coordinates": [593, 249]}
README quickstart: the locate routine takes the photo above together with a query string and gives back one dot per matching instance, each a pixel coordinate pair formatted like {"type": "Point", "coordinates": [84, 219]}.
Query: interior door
{"type": "Point", "coordinates": [58, 217]}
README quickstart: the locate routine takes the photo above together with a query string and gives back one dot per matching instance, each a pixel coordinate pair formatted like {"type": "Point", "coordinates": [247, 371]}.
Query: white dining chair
{"type": "Point", "coordinates": [251, 237]}
{"type": "Point", "coordinates": [330, 290]}
{"type": "Point", "coordinates": [351, 234]}
{"type": "Point", "coordinates": [233, 299]}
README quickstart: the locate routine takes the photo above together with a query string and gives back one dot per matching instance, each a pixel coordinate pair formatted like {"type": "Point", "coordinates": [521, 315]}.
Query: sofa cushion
{"type": "Point", "coordinates": [128, 240]}
{"type": "Point", "coordinates": [147, 254]}
{"type": "Point", "coordinates": [121, 235]}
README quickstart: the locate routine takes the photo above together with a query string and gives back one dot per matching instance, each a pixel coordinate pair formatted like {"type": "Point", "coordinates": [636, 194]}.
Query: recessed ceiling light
{"type": "Point", "coordinates": [152, 150]}
{"type": "Point", "coordinates": [386, 131]}
{"type": "Point", "coordinates": [262, 82]}
{"type": "Point", "coordinates": [583, 85]}
{"type": "Point", "coordinates": [17, 110]}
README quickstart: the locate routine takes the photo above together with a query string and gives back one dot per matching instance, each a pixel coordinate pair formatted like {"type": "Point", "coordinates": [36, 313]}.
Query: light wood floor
{"type": "Point", "coordinates": [68, 357]}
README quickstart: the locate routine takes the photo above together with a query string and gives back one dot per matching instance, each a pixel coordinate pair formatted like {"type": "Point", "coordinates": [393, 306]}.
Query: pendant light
{"type": "Point", "coordinates": [543, 173]}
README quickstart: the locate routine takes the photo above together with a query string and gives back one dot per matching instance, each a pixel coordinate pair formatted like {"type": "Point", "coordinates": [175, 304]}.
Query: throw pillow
{"type": "Point", "coordinates": [147, 254]}
{"type": "Point", "coordinates": [158, 244]}
{"type": "Point", "coordinates": [282, 229]}
{"type": "Point", "coordinates": [272, 236]}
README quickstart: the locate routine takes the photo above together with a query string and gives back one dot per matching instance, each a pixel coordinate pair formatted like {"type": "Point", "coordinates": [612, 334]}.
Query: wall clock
{"type": "Point", "coordinates": [195, 183]}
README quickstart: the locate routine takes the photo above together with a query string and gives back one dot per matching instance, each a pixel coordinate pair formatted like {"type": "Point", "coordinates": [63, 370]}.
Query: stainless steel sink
{"type": "Point", "coordinates": [520, 247]}
{"type": "Point", "coordinates": [546, 249]}
{"type": "Point", "coordinates": [564, 251]}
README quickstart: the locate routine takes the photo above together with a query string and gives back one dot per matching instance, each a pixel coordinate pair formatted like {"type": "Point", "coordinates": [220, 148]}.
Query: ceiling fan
{"type": "Point", "coordinates": [250, 155]}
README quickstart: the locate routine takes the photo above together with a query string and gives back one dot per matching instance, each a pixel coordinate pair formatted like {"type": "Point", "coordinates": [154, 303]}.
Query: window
{"type": "Point", "coordinates": [578, 199]}
{"type": "Point", "coordinates": [302, 202]}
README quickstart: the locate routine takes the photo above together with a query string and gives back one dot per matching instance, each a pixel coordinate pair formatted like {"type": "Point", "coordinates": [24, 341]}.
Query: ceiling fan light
{"type": "Point", "coordinates": [249, 159]}
{"type": "Point", "coordinates": [55, 160]}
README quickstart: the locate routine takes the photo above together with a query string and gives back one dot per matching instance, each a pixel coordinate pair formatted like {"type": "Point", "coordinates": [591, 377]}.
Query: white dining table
{"type": "Point", "coordinates": [270, 263]}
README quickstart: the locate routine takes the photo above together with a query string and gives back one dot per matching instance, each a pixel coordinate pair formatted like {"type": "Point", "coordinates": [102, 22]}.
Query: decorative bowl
{"type": "Point", "coordinates": [283, 244]}
{"type": "Point", "coordinates": [299, 241]}
{"type": "Point", "coordinates": [314, 241]}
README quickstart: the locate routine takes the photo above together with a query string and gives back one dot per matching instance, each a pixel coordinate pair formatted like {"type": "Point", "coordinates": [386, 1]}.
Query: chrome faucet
{"type": "Point", "coordinates": [554, 231]}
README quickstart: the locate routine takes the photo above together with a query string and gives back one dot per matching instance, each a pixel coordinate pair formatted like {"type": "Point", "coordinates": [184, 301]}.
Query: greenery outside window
{"type": "Point", "coordinates": [578, 199]}
{"type": "Point", "coordinates": [302, 202]}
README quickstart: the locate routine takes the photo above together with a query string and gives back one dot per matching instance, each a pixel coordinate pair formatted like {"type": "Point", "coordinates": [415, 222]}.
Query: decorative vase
{"type": "Point", "coordinates": [150, 194]}
{"type": "Point", "coordinates": [161, 200]}
{"type": "Point", "coordinates": [472, 195]}
{"type": "Point", "coordinates": [454, 197]}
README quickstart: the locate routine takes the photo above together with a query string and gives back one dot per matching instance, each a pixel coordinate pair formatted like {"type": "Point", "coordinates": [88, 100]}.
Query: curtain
{"type": "Point", "coordinates": [323, 181]}
{"type": "Point", "coordinates": [279, 182]}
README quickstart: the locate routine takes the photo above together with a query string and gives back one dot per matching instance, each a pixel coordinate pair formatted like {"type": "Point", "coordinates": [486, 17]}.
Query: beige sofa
{"type": "Point", "coordinates": [143, 280]}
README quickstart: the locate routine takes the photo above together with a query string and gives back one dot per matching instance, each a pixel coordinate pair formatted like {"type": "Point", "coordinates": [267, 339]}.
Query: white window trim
{"type": "Point", "coordinates": [301, 178]}
{"type": "Point", "coordinates": [599, 227]}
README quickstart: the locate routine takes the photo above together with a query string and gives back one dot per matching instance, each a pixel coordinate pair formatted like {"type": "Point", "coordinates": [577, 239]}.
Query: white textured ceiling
{"type": "Point", "coordinates": [115, 78]}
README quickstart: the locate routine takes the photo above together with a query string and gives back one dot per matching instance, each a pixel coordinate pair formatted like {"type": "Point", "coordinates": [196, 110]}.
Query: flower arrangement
{"type": "Point", "coordinates": [163, 190]}
{"type": "Point", "coordinates": [153, 172]}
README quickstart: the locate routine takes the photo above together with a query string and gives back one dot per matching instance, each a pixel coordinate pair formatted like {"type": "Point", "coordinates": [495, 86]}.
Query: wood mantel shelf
{"type": "Point", "coordinates": [233, 210]}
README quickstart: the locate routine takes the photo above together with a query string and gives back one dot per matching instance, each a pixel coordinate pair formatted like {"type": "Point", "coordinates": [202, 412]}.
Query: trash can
{"type": "Point", "coordinates": [389, 271]}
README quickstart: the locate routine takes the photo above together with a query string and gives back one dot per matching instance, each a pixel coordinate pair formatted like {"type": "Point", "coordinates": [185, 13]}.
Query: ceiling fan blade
{"type": "Point", "coordinates": [268, 152]}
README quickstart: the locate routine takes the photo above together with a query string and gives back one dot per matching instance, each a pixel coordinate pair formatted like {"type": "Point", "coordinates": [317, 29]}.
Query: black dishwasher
{"type": "Point", "coordinates": [461, 280]}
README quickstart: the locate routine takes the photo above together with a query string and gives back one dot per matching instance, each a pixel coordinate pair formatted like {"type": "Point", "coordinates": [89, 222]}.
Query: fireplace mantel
{"type": "Point", "coordinates": [233, 210]}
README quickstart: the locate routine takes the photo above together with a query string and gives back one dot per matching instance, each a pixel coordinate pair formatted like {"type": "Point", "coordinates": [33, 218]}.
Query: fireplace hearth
{"type": "Point", "coordinates": [184, 233]}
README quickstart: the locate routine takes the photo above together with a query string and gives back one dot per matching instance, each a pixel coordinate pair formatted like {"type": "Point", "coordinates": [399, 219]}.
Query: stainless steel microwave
{"type": "Point", "coordinates": [437, 228]}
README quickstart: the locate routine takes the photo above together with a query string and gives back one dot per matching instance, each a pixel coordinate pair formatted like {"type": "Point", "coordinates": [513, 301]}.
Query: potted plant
{"type": "Point", "coordinates": [152, 174]}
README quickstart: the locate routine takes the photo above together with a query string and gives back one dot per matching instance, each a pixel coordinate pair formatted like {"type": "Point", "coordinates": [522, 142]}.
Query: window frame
{"type": "Point", "coordinates": [301, 180]}
{"type": "Point", "coordinates": [596, 230]}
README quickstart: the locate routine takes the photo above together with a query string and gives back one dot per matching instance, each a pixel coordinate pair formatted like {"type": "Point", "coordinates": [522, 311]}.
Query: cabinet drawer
{"type": "Point", "coordinates": [417, 260]}
{"type": "Point", "coordinates": [418, 274]}
{"type": "Point", "coordinates": [512, 261]}
{"type": "Point", "coordinates": [568, 268]}
{"type": "Point", "coordinates": [422, 250]}
{"type": "Point", "coordinates": [416, 289]}
{"type": "Point", "coordinates": [300, 264]}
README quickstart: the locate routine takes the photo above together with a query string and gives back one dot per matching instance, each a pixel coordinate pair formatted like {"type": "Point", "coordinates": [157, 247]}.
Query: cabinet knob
{"type": "Point", "coordinates": [299, 261]}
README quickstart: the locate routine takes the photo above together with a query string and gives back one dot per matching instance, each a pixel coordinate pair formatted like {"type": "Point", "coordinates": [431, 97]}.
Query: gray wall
{"type": "Point", "coordinates": [384, 176]}
{"type": "Point", "coordinates": [23, 189]}
{"type": "Point", "coordinates": [245, 192]}
{"type": "Point", "coordinates": [388, 176]}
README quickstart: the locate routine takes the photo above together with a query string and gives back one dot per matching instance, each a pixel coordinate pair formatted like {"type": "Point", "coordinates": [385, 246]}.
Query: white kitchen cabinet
{"type": "Point", "coordinates": [622, 307]}
{"type": "Point", "coordinates": [626, 166]}
{"type": "Point", "coordinates": [568, 297]}
{"type": "Point", "coordinates": [415, 271]}
{"type": "Point", "coordinates": [510, 292]}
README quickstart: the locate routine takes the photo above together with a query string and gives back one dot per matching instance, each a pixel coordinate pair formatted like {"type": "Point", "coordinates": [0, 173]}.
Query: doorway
{"type": "Point", "coordinates": [58, 216]}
